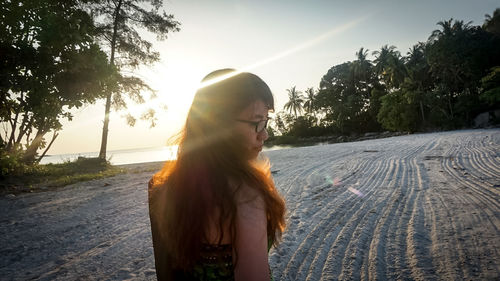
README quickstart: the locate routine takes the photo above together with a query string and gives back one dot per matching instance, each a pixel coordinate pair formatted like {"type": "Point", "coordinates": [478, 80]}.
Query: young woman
{"type": "Point", "coordinates": [215, 211]}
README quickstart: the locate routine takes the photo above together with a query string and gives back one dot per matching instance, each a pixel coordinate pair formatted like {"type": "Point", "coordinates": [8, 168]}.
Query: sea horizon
{"type": "Point", "coordinates": [127, 156]}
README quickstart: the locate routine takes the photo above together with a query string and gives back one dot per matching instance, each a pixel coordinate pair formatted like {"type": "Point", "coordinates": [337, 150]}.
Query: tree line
{"type": "Point", "coordinates": [439, 84]}
{"type": "Point", "coordinates": [57, 56]}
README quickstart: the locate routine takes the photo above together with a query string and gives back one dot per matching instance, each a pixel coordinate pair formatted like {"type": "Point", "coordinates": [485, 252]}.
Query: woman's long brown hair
{"type": "Point", "coordinates": [211, 167]}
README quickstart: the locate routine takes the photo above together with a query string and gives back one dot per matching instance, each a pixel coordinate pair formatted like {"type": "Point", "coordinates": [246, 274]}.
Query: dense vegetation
{"type": "Point", "coordinates": [56, 56]}
{"type": "Point", "coordinates": [50, 63]}
{"type": "Point", "coordinates": [440, 84]}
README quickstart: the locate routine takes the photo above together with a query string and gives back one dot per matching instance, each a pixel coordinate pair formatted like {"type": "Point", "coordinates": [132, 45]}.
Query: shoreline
{"type": "Point", "coordinates": [142, 166]}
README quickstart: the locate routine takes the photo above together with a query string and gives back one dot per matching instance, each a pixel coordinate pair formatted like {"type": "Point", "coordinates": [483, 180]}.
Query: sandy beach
{"type": "Point", "coordinates": [415, 207]}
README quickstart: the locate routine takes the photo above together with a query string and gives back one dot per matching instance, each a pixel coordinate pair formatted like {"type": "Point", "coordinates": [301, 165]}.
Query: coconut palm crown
{"type": "Point", "coordinates": [295, 101]}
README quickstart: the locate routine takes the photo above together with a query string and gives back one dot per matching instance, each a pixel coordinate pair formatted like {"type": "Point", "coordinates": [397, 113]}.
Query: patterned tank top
{"type": "Point", "coordinates": [216, 263]}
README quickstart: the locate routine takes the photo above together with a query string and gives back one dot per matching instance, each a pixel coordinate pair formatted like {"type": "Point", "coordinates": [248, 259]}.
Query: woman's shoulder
{"type": "Point", "coordinates": [159, 179]}
{"type": "Point", "coordinates": [245, 193]}
{"type": "Point", "coordinates": [156, 193]}
{"type": "Point", "coordinates": [249, 202]}
{"type": "Point", "coordinates": [154, 185]}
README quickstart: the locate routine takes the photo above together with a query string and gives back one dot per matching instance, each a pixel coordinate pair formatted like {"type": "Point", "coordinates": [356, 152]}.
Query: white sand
{"type": "Point", "coordinates": [417, 207]}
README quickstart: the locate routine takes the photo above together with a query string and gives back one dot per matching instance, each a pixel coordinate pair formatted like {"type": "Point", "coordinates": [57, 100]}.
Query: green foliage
{"type": "Point", "coordinates": [459, 55]}
{"type": "Point", "coordinates": [279, 124]}
{"type": "Point", "coordinates": [118, 24]}
{"type": "Point", "coordinates": [302, 126]}
{"type": "Point", "coordinates": [398, 112]}
{"type": "Point", "coordinates": [50, 64]}
{"type": "Point", "coordinates": [440, 84]}
{"type": "Point", "coordinates": [270, 132]}
{"type": "Point", "coordinates": [491, 87]}
{"type": "Point", "coordinates": [310, 101]}
{"type": "Point", "coordinates": [345, 94]}
{"type": "Point", "coordinates": [82, 169]}
{"type": "Point", "coordinates": [283, 140]}
{"type": "Point", "coordinates": [295, 100]}
{"type": "Point", "coordinates": [11, 163]}
{"type": "Point", "coordinates": [492, 23]}
{"type": "Point", "coordinates": [389, 66]}
{"type": "Point", "coordinates": [375, 102]}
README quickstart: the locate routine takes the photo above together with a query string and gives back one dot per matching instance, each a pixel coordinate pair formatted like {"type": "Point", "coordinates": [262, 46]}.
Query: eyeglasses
{"type": "Point", "coordinates": [260, 125]}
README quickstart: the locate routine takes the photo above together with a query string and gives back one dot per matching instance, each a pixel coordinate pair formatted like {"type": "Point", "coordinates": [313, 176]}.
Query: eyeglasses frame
{"type": "Point", "coordinates": [255, 123]}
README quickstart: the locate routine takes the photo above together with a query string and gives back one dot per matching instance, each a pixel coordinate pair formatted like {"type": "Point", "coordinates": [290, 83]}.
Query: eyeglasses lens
{"type": "Point", "coordinates": [261, 126]}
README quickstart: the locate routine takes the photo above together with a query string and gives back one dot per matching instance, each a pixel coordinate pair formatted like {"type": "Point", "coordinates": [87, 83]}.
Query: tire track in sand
{"type": "Point", "coordinates": [395, 230]}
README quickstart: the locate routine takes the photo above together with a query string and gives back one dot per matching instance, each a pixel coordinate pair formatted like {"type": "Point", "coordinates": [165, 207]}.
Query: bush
{"type": "Point", "coordinates": [281, 140]}
{"type": "Point", "coordinates": [17, 177]}
{"type": "Point", "coordinates": [11, 164]}
{"type": "Point", "coordinates": [398, 113]}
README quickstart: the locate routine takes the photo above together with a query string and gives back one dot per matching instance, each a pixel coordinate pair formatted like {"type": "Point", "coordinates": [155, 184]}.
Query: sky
{"type": "Point", "coordinates": [287, 43]}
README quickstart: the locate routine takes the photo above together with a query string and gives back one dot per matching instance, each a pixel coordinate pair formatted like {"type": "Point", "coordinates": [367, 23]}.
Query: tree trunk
{"type": "Point", "coordinates": [450, 107]}
{"type": "Point", "coordinates": [422, 111]}
{"type": "Point", "coordinates": [25, 124]}
{"type": "Point", "coordinates": [104, 140]}
{"type": "Point", "coordinates": [12, 141]}
{"type": "Point", "coordinates": [29, 155]}
{"type": "Point", "coordinates": [48, 146]}
{"type": "Point", "coordinates": [13, 125]}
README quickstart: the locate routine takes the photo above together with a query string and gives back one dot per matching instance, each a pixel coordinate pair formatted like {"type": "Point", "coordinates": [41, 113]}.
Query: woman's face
{"type": "Point", "coordinates": [253, 140]}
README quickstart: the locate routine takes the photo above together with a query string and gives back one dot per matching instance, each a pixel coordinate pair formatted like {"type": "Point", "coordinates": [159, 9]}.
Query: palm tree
{"type": "Point", "coordinates": [295, 101]}
{"type": "Point", "coordinates": [310, 100]}
{"type": "Point", "coordinates": [390, 66]}
{"type": "Point", "coordinates": [396, 72]}
{"type": "Point", "coordinates": [383, 57]}
{"type": "Point", "coordinates": [417, 69]}
{"type": "Point", "coordinates": [492, 23]}
{"type": "Point", "coordinates": [449, 29]}
{"type": "Point", "coordinates": [416, 64]}
{"type": "Point", "coordinates": [362, 73]}
{"type": "Point", "coordinates": [444, 50]}
{"type": "Point", "coordinates": [362, 66]}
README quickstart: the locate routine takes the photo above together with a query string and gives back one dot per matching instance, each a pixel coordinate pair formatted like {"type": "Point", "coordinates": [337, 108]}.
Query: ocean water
{"type": "Point", "coordinates": [121, 157]}
{"type": "Point", "coordinates": [128, 156]}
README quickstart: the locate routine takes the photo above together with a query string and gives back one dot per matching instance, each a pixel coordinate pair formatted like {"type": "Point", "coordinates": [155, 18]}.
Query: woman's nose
{"type": "Point", "coordinates": [263, 135]}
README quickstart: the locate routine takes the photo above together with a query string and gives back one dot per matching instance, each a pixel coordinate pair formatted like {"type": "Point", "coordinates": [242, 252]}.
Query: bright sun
{"type": "Point", "coordinates": [175, 86]}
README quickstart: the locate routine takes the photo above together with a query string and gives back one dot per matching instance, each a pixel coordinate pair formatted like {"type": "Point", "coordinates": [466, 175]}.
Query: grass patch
{"type": "Point", "coordinates": [41, 177]}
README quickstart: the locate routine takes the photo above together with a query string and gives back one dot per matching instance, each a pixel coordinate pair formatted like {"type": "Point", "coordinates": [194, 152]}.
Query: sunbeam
{"type": "Point", "coordinates": [288, 52]}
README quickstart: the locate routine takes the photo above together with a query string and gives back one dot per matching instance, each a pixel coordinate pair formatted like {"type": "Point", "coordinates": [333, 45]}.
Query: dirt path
{"type": "Point", "coordinates": [418, 207]}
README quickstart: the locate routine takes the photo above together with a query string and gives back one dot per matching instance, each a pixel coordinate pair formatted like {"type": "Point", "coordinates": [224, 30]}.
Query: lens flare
{"type": "Point", "coordinates": [336, 181]}
{"type": "Point", "coordinates": [329, 180]}
{"type": "Point", "coordinates": [288, 52]}
{"type": "Point", "coordinates": [355, 191]}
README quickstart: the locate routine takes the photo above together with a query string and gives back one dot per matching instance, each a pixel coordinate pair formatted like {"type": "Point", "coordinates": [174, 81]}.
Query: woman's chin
{"type": "Point", "coordinates": [253, 155]}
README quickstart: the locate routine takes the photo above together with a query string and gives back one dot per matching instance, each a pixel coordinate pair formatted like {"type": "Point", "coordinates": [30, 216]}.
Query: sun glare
{"type": "Point", "coordinates": [288, 52]}
{"type": "Point", "coordinates": [175, 84]}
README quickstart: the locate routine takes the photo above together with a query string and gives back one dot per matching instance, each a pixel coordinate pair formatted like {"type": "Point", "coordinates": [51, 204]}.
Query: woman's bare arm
{"type": "Point", "coordinates": [251, 240]}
